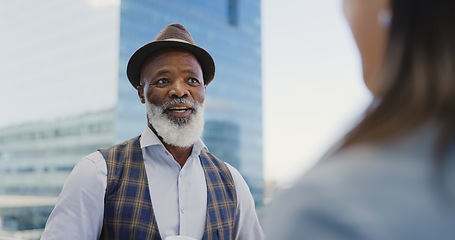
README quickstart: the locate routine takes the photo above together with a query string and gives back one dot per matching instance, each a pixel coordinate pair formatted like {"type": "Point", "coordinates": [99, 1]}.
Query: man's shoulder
{"type": "Point", "coordinates": [210, 156]}
{"type": "Point", "coordinates": [119, 151]}
{"type": "Point", "coordinates": [218, 162]}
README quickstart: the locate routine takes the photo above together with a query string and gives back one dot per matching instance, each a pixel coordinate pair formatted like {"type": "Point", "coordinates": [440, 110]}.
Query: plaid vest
{"type": "Point", "coordinates": [128, 211]}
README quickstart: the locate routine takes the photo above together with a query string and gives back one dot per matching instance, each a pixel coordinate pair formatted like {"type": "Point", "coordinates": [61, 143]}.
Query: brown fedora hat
{"type": "Point", "coordinates": [172, 36]}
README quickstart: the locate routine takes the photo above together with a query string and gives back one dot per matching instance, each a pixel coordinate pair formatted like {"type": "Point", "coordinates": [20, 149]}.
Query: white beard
{"type": "Point", "coordinates": [179, 132]}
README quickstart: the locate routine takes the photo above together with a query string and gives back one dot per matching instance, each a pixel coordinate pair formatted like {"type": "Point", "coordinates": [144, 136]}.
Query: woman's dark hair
{"type": "Point", "coordinates": [417, 77]}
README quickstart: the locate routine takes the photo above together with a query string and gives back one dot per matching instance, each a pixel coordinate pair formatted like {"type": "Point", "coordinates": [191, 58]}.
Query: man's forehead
{"type": "Point", "coordinates": [158, 62]}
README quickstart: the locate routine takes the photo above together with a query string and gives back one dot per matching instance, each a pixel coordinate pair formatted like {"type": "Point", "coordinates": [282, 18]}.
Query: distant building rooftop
{"type": "Point", "coordinates": [13, 201]}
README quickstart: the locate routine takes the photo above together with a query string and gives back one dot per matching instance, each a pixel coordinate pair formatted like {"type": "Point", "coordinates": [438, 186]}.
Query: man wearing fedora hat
{"type": "Point", "coordinates": [163, 182]}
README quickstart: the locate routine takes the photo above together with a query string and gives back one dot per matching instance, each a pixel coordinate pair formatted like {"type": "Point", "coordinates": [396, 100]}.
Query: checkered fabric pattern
{"type": "Point", "coordinates": [128, 210]}
{"type": "Point", "coordinates": [221, 199]}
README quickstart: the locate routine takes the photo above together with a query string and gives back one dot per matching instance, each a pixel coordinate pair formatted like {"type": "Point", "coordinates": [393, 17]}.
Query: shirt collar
{"type": "Point", "coordinates": [149, 138]}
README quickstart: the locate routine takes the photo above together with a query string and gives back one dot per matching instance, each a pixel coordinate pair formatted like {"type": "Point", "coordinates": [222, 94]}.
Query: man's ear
{"type": "Point", "coordinates": [140, 93]}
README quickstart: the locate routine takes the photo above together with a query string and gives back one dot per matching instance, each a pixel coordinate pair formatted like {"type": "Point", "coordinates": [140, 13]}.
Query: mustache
{"type": "Point", "coordinates": [192, 104]}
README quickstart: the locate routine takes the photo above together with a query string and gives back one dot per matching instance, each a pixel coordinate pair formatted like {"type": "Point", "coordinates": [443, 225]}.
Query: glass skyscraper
{"type": "Point", "coordinates": [65, 93]}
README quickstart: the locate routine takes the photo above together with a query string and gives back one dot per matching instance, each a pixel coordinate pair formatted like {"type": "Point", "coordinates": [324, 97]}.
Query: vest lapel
{"type": "Point", "coordinates": [128, 210]}
{"type": "Point", "coordinates": [221, 199]}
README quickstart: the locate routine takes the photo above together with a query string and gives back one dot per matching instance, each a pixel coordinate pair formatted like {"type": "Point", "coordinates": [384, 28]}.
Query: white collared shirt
{"type": "Point", "coordinates": [178, 194]}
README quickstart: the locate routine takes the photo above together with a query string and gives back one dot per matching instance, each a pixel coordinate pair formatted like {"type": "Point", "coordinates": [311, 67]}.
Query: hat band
{"type": "Point", "coordinates": [177, 40]}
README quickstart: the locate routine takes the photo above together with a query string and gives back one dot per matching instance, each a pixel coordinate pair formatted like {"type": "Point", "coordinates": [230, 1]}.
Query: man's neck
{"type": "Point", "coordinates": [180, 154]}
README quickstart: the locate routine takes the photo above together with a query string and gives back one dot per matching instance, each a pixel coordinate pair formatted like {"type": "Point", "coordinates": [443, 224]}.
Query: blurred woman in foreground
{"type": "Point", "coordinates": [393, 175]}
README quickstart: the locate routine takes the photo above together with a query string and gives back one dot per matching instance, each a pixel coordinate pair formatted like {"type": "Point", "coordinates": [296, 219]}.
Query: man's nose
{"type": "Point", "coordinates": [179, 90]}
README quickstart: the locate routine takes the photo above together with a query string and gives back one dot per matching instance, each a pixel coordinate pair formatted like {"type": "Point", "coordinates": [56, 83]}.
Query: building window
{"type": "Point", "coordinates": [233, 12]}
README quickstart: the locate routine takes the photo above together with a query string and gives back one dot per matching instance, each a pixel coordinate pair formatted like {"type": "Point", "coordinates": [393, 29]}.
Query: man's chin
{"type": "Point", "coordinates": [178, 120]}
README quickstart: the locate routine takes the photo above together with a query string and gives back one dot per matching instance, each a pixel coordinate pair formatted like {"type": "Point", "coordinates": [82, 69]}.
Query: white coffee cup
{"type": "Point", "coordinates": [179, 238]}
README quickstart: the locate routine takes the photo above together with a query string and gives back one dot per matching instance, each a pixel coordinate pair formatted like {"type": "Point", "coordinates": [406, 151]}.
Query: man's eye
{"type": "Point", "coordinates": [161, 81]}
{"type": "Point", "coordinates": [193, 80]}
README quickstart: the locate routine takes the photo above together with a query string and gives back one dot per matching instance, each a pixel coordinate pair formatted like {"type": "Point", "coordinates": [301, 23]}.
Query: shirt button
{"type": "Point", "coordinates": [182, 210]}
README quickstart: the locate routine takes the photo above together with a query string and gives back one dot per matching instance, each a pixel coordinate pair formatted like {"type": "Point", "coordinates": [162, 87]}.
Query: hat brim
{"type": "Point", "coordinates": [136, 61]}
